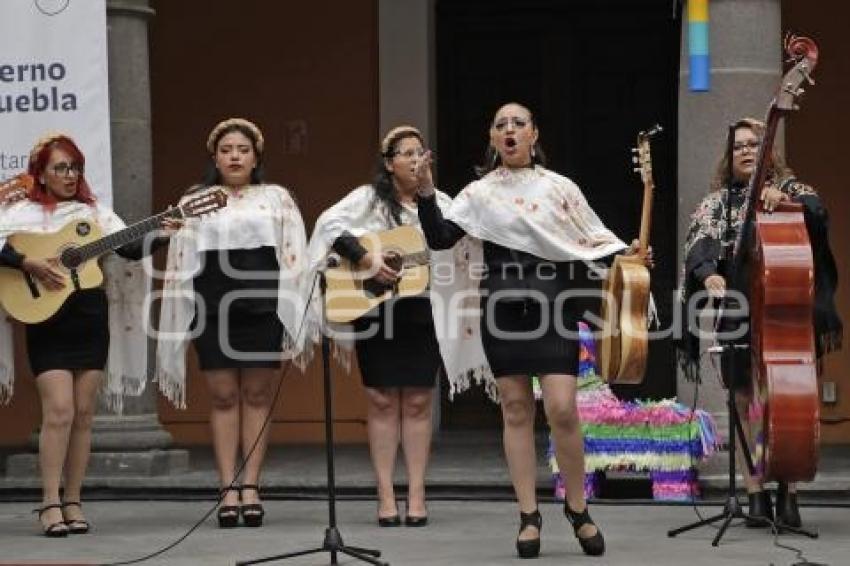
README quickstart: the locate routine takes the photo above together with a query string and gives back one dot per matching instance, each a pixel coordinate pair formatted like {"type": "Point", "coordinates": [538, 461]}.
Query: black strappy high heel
{"type": "Point", "coordinates": [592, 546]}
{"type": "Point", "coordinates": [228, 515]}
{"type": "Point", "coordinates": [53, 530]}
{"type": "Point", "coordinates": [76, 526]}
{"type": "Point", "coordinates": [252, 513]}
{"type": "Point", "coordinates": [529, 548]}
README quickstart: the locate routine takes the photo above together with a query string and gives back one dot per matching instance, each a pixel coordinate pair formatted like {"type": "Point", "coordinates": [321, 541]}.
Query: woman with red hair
{"type": "Point", "coordinates": [68, 352]}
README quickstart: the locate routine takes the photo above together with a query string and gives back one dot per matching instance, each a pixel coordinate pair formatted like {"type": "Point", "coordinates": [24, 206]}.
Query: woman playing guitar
{"type": "Point", "coordinates": [68, 352]}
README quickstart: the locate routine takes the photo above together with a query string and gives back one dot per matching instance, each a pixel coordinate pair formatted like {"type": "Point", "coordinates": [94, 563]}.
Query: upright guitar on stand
{"type": "Point", "coordinates": [624, 347]}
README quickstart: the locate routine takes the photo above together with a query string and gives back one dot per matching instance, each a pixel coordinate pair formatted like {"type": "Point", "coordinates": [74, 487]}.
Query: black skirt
{"type": "Point", "coordinates": [398, 346]}
{"type": "Point", "coordinates": [246, 333]}
{"type": "Point", "coordinates": [544, 350]}
{"type": "Point", "coordinates": [75, 338]}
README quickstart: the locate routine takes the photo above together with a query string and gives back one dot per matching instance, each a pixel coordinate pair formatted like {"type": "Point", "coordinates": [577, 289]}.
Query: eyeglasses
{"type": "Point", "coordinates": [518, 122]}
{"type": "Point", "coordinates": [411, 153]}
{"type": "Point", "coordinates": [65, 169]}
{"type": "Point", "coordinates": [739, 147]}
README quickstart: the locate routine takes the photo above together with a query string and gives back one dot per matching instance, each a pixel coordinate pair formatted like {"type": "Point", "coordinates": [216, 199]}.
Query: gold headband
{"type": "Point", "coordinates": [230, 122]}
{"type": "Point", "coordinates": [44, 141]}
{"type": "Point", "coordinates": [396, 133]}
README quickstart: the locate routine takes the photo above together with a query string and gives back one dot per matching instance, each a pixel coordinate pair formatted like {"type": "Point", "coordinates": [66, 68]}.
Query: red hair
{"type": "Point", "coordinates": [38, 165]}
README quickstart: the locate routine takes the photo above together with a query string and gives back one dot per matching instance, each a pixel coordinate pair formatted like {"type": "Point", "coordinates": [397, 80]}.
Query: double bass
{"type": "Point", "coordinates": [781, 266]}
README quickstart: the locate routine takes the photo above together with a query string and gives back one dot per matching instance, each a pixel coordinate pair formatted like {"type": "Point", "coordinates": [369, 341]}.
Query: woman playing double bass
{"type": "Point", "coordinates": [702, 270]}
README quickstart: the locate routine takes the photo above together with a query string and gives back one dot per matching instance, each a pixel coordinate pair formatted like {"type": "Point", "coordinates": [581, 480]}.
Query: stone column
{"type": "Point", "coordinates": [407, 75]}
{"type": "Point", "coordinates": [134, 443]}
{"type": "Point", "coordinates": [746, 65]}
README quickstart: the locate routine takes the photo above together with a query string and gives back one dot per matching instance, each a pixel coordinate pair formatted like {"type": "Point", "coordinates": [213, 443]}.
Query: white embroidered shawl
{"type": "Point", "coordinates": [358, 213]}
{"type": "Point", "coordinates": [255, 216]}
{"type": "Point", "coordinates": [536, 211]}
{"type": "Point", "coordinates": [126, 287]}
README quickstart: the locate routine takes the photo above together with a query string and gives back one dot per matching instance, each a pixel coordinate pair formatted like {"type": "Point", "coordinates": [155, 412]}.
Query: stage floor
{"type": "Point", "coordinates": [460, 533]}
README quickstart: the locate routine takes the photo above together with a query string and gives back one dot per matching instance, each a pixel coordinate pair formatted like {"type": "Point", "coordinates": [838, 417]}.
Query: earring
{"type": "Point", "coordinates": [533, 153]}
{"type": "Point", "coordinates": [495, 158]}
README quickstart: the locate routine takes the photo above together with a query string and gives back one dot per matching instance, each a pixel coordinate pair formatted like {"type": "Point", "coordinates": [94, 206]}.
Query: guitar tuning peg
{"type": "Point", "coordinates": [634, 150]}
{"type": "Point", "coordinates": [636, 169]}
{"type": "Point", "coordinates": [635, 159]}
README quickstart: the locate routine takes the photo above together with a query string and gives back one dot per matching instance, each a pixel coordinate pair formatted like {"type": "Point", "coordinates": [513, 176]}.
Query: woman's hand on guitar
{"type": "Point", "coordinates": [771, 196]}
{"type": "Point", "coordinates": [715, 285]}
{"type": "Point", "coordinates": [634, 248]}
{"type": "Point", "coordinates": [46, 271]}
{"type": "Point", "coordinates": [374, 266]}
{"type": "Point", "coordinates": [171, 225]}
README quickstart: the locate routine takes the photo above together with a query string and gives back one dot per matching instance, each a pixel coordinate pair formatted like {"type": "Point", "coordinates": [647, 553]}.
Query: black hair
{"type": "Point", "coordinates": [491, 156]}
{"type": "Point", "coordinates": [383, 182]}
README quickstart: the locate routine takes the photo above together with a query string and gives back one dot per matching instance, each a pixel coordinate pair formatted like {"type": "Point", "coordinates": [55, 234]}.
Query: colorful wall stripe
{"type": "Point", "coordinates": [699, 78]}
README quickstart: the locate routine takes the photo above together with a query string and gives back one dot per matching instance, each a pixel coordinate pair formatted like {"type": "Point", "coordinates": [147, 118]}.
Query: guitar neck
{"type": "Point", "coordinates": [646, 216]}
{"type": "Point", "coordinates": [122, 237]}
{"type": "Point", "coordinates": [417, 258]}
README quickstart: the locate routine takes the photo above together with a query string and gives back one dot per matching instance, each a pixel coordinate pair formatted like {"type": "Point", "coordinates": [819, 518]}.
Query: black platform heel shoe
{"type": "Point", "coordinates": [228, 515]}
{"type": "Point", "coordinates": [787, 510]}
{"type": "Point", "coordinates": [252, 513]}
{"type": "Point", "coordinates": [760, 511]}
{"type": "Point", "coordinates": [391, 521]}
{"type": "Point", "coordinates": [529, 548]}
{"type": "Point", "coordinates": [592, 546]}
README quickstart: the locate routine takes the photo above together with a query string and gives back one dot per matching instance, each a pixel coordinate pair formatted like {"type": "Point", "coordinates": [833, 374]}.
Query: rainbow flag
{"type": "Point", "coordinates": [700, 63]}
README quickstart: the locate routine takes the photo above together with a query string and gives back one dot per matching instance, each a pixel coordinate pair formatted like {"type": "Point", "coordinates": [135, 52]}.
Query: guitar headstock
{"type": "Point", "coordinates": [803, 52]}
{"type": "Point", "coordinates": [203, 204]}
{"type": "Point", "coordinates": [642, 157]}
{"type": "Point", "coordinates": [15, 188]}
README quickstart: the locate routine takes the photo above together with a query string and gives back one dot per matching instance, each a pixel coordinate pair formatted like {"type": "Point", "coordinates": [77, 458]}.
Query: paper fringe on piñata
{"type": "Point", "coordinates": [662, 438]}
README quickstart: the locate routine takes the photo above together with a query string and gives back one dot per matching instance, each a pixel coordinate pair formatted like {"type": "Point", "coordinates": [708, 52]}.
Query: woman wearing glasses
{"type": "Point", "coordinates": [395, 343]}
{"type": "Point", "coordinates": [529, 228]}
{"type": "Point", "coordinates": [95, 328]}
{"type": "Point", "coordinates": [703, 271]}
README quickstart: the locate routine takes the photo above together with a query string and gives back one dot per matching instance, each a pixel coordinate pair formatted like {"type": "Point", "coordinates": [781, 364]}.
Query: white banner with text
{"type": "Point", "coordinates": [54, 77]}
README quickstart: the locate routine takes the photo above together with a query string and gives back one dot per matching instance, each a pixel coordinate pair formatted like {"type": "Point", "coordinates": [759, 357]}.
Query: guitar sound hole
{"type": "Point", "coordinates": [374, 288]}
{"type": "Point", "coordinates": [71, 258]}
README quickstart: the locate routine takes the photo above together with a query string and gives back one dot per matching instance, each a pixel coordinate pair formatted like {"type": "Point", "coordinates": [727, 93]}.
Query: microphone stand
{"type": "Point", "coordinates": [333, 539]}
{"type": "Point", "coordinates": [732, 508]}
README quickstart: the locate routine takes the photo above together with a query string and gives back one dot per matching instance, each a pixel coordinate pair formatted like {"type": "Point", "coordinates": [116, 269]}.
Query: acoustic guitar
{"type": "Point", "coordinates": [352, 293]}
{"type": "Point", "coordinates": [624, 345]}
{"type": "Point", "coordinates": [75, 245]}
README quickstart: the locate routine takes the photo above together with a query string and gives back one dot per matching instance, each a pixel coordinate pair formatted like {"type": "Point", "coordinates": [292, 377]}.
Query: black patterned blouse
{"type": "Point", "coordinates": [704, 257]}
